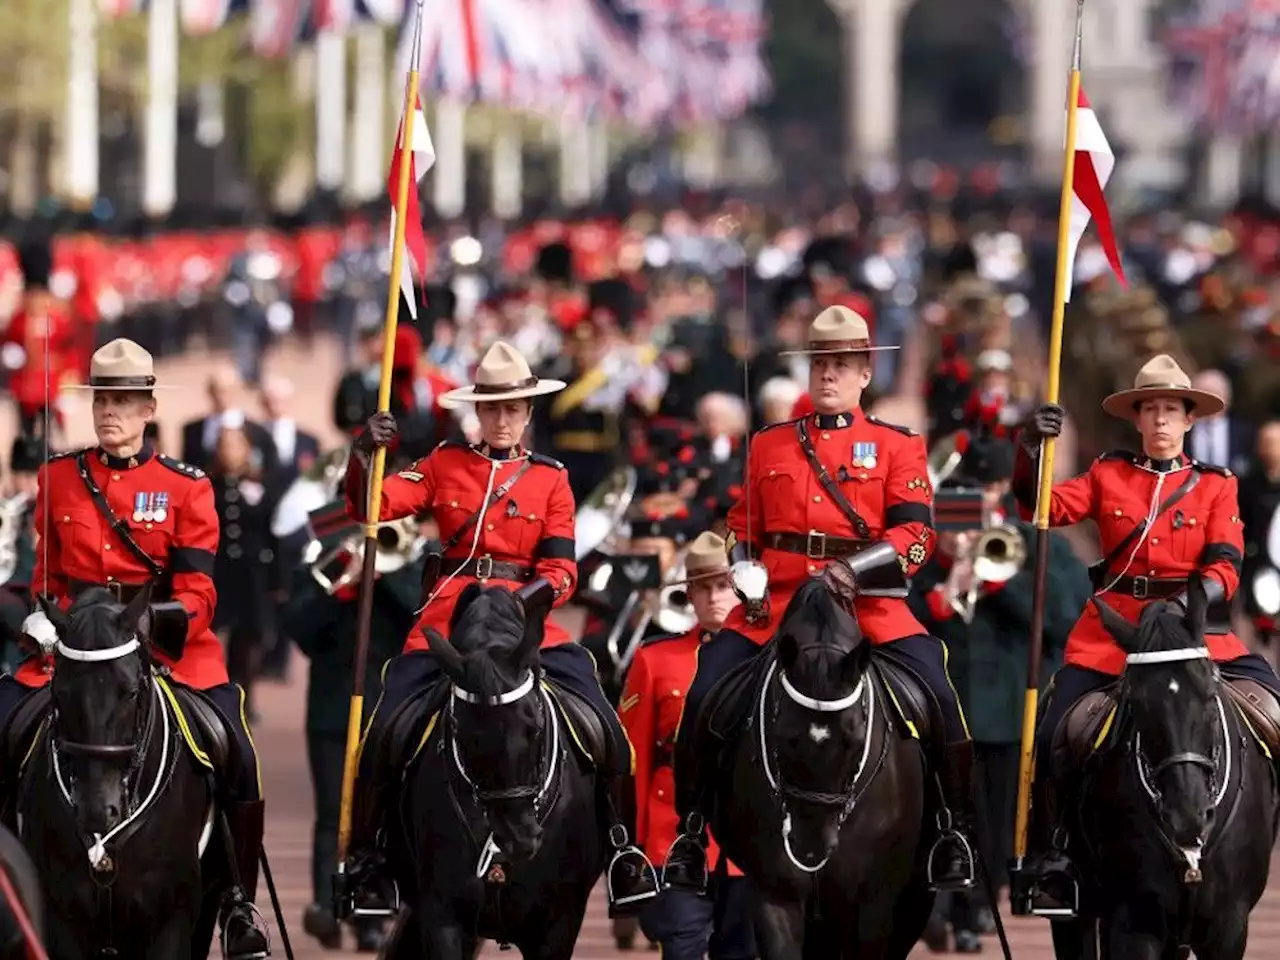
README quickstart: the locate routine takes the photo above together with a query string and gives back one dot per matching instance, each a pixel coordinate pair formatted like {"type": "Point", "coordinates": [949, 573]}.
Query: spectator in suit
{"type": "Point", "coordinates": [1259, 509]}
{"type": "Point", "coordinates": [200, 437]}
{"type": "Point", "coordinates": [1223, 441]}
{"type": "Point", "coordinates": [296, 450]}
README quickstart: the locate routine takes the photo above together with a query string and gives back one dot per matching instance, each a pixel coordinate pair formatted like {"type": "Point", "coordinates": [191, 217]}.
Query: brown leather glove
{"type": "Point", "coordinates": [380, 431]}
{"type": "Point", "coordinates": [842, 583]}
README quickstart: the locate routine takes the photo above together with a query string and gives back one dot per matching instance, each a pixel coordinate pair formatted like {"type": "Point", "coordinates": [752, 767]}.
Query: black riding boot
{"type": "Point", "coordinates": [1048, 884]}
{"type": "Point", "coordinates": [630, 880]}
{"type": "Point", "coordinates": [362, 888]}
{"type": "Point", "coordinates": [243, 936]}
{"type": "Point", "coordinates": [951, 861]}
{"type": "Point", "coordinates": [686, 864]}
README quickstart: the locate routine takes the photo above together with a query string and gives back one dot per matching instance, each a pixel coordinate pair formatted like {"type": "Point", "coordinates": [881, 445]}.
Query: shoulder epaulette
{"type": "Point", "coordinates": [781, 423]}
{"type": "Point", "coordinates": [544, 460]}
{"type": "Point", "coordinates": [1211, 468]}
{"type": "Point", "coordinates": [177, 466]}
{"type": "Point", "coordinates": [905, 431]}
{"type": "Point", "coordinates": [1126, 455]}
{"type": "Point", "coordinates": [68, 454]}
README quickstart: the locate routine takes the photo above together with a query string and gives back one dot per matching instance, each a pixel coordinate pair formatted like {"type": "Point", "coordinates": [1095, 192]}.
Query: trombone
{"type": "Point", "coordinates": [994, 556]}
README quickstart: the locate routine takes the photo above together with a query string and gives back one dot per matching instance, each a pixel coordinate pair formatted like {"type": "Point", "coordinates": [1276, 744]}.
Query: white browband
{"type": "Point", "coordinates": [99, 656]}
{"type": "Point", "coordinates": [822, 706]}
{"type": "Point", "coordinates": [1168, 656]}
{"type": "Point", "coordinates": [501, 700]}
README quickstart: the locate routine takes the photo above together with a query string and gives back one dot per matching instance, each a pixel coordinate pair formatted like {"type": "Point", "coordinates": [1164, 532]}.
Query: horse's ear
{"type": "Point", "coordinates": [788, 650]}
{"type": "Point", "coordinates": [57, 616]}
{"type": "Point", "coordinates": [136, 616]}
{"type": "Point", "coordinates": [536, 610]}
{"type": "Point", "coordinates": [465, 599]}
{"type": "Point", "coordinates": [1197, 604]}
{"type": "Point", "coordinates": [445, 653]}
{"type": "Point", "coordinates": [1121, 629]}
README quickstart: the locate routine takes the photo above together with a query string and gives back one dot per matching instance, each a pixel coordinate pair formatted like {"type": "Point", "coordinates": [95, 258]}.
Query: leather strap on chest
{"type": "Point", "coordinates": [118, 526]}
{"type": "Point", "coordinates": [498, 493]}
{"type": "Point", "coordinates": [860, 526]}
{"type": "Point", "coordinates": [1098, 571]}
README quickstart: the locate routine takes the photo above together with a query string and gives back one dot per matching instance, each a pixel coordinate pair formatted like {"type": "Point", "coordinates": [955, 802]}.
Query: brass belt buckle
{"type": "Point", "coordinates": [484, 567]}
{"type": "Point", "coordinates": [818, 552]}
{"type": "Point", "coordinates": [117, 589]}
{"type": "Point", "coordinates": [1141, 588]}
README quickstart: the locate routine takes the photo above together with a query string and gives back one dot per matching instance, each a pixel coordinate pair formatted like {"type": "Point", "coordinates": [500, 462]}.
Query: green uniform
{"type": "Point", "coordinates": [988, 666]}
{"type": "Point", "coordinates": [325, 630]}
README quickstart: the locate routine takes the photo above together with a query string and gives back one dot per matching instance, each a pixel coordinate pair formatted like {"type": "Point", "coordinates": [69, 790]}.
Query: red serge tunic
{"type": "Point", "coordinates": [1202, 531]}
{"type": "Point", "coordinates": [881, 469]}
{"type": "Point", "coordinates": [650, 709]}
{"type": "Point", "coordinates": [169, 510]}
{"type": "Point", "coordinates": [530, 530]}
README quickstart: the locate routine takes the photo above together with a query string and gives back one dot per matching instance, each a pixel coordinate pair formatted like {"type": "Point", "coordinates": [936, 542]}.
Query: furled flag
{"type": "Point", "coordinates": [1093, 166]}
{"type": "Point", "coordinates": [415, 240]}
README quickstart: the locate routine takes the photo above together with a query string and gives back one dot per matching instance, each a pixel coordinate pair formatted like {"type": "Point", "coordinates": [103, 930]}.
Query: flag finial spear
{"type": "Point", "coordinates": [1075, 55]}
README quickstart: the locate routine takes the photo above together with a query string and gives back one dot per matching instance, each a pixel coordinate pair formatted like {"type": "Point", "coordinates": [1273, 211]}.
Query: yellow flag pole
{"type": "Point", "coordinates": [355, 716]}
{"type": "Point", "coordinates": [1035, 651]}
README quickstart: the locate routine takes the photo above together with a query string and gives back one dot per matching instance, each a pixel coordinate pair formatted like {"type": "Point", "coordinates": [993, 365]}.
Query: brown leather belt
{"type": "Point", "coordinates": [487, 568]}
{"type": "Point", "coordinates": [124, 592]}
{"type": "Point", "coordinates": [815, 545]}
{"type": "Point", "coordinates": [1142, 588]}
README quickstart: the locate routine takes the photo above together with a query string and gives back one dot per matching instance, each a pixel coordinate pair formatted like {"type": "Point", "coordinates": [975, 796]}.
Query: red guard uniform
{"type": "Point", "coordinates": [882, 470]}
{"type": "Point", "coordinates": [43, 326]}
{"type": "Point", "coordinates": [526, 535]}
{"type": "Point", "coordinates": [168, 508]}
{"type": "Point", "coordinates": [1202, 531]}
{"type": "Point", "coordinates": [651, 704]}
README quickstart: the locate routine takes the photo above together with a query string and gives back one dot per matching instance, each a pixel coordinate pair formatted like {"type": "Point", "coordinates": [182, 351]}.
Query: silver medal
{"type": "Point", "coordinates": [137, 516]}
{"type": "Point", "coordinates": [869, 463]}
{"type": "Point", "coordinates": [161, 514]}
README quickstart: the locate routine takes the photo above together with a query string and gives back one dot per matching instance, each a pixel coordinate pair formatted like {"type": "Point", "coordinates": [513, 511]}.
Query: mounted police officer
{"type": "Point", "coordinates": [118, 516]}
{"type": "Point", "coordinates": [1161, 516]}
{"type": "Point", "coordinates": [847, 497]}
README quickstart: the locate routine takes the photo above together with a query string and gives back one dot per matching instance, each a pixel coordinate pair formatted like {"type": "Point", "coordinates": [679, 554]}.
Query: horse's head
{"type": "Point", "coordinates": [101, 699]}
{"type": "Point", "coordinates": [820, 725]}
{"type": "Point", "coordinates": [1171, 691]}
{"type": "Point", "coordinates": [491, 656]}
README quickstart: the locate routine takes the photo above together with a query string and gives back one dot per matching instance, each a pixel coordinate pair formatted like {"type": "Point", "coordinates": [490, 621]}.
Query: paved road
{"type": "Point", "coordinates": [279, 735]}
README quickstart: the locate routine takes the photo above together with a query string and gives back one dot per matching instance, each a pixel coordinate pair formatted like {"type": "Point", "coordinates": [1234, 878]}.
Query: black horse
{"type": "Point", "coordinates": [1174, 818]}
{"type": "Point", "coordinates": [114, 809]}
{"type": "Point", "coordinates": [500, 814]}
{"type": "Point", "coordinates": [25, 885]}
{"type": "Point", "coordinates": [825, 803]}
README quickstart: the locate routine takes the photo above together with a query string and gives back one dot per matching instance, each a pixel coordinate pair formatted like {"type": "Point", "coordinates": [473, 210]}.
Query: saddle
{"type": "Point", "coordinates": [589, 731]}
{"type": "Point", "coordinates": [914, 704]}
{"type": "Point", "coordinates": [24, 726]}
{"type": "Point", "coordinates": [728, 704]}
{"type": "Point", "coordinates": [1261, 712]}
{"type": "Point", "coordinates": [1083, 730]}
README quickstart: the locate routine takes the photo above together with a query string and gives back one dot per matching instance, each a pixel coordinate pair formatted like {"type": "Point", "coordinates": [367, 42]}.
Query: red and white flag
{"type": "Point", "coordinates": [420, 161]}
{"type": "Point", "coordinates": [1093, 166]}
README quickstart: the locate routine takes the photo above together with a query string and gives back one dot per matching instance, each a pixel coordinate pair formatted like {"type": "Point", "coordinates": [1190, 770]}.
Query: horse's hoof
{"type": "Point", "coordinates": [968, 942]}
{"type": "Point", "coordinates": [321, 924]}
{"type": "Point", "coordinates": [935, 934]}
{"type": "Point", "coordinates": [625, 941]}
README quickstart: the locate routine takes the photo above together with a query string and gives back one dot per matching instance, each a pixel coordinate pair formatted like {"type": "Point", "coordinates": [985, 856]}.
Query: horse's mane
{"type": "Point", "coordinates": [815, 608]}
{"type": "Point", "coordinates": [486, 633]}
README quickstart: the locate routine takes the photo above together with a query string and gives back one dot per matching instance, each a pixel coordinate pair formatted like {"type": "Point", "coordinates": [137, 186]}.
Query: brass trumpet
{"type": "Point", "coordinates": [995, 556]}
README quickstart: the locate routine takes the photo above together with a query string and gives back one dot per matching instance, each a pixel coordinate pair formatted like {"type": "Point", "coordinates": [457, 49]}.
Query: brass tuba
{"type": "Point", "coordinates": [399, 543]}
{"type": "Point", "coordinates": [996, 556]}
{"type": "Point", "coordinates": [944, 459]}
{"type": "Point", "coordinates": [319, 485]}
{"type": "Point", "coordinates": [600, 516]}
{"type": "Point", "coordinates": [669, 608]}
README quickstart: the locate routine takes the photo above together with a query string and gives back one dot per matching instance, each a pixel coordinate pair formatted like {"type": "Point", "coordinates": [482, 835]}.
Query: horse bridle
{"type": "Point", "coordinates": [783, 791]}
{"type": "Point", "coordinates": [133, 752]}
{"type": "Point", "coordinates": [1149, 777]}
{"type": "Point", "coordinates": [538, 790]}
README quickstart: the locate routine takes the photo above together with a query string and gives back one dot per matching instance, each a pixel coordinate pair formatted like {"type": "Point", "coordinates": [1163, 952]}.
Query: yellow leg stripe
{"type": "Point", "coordinates": [426, 735]}
{"type": "Point", "coordinates": [244, 720]}
{"type": "Point", "coordinates": [183, 724]}
{"type": "Point", "coordinates": [946, 670]}
{"type": "Point", "coordinates": [364, 735]}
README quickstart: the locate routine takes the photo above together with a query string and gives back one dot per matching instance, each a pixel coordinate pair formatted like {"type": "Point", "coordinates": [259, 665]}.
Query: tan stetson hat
{"type": "Point", "coordinates": [503, 374]}
{"type": "Point", "coordinates": [121, 365]}
{"type": "Point", "coordinates": [1162, 377]}
{"type": "Point", "coordinates": [837, 330]}
{"type": "Point", "coordinates": [707, 556]}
